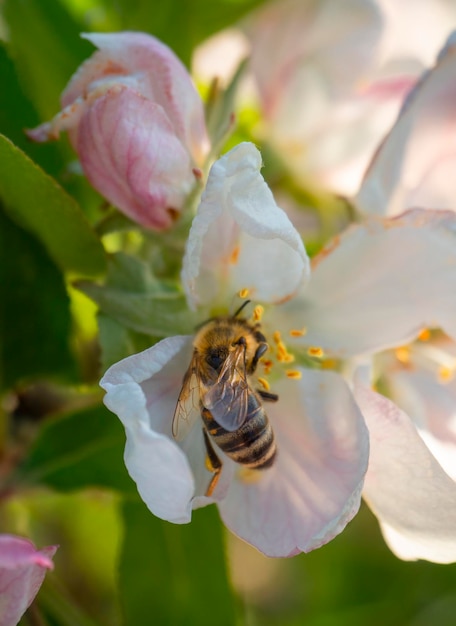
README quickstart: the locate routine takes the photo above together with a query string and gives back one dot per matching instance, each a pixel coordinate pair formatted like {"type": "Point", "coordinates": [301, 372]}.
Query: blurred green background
{"type": "Point", "coordinates": [118, 564]}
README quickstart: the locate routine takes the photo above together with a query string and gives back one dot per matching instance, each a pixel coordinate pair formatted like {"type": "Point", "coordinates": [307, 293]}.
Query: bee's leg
{"type": "Point", "coordinates": [213, 464]}
{"type": "Point", "coordinates": [269, 397]}
{"type": "Point", "coordinates": [257, 356]}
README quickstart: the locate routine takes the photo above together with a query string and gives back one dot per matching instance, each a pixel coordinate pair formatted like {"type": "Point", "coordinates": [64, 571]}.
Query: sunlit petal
{"type": "Point", "coordinates": [414, 499]}
{"type": "Point", "coordinates": [240, 238]}
{"type": "Point", "coordinates": [415, 164]}
{"type": "Point", "coordinates": [143, 390]}
{"type": "Point", "coordinates": [314, 488]}
{"type": "Point", "coordinates": [379, 284]}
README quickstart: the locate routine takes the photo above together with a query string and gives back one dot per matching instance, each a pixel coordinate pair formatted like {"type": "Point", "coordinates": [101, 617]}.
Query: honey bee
{"type": "Point", "coordinates": [217, 386]}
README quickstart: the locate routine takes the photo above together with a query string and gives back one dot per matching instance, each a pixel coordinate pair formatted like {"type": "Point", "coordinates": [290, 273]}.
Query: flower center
{"type": "Point", "coordinates": [432, 351]}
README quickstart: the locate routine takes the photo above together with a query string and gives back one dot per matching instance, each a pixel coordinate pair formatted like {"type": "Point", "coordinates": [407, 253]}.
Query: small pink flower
{"type": "Point", "coordinates": [22, 571]}
{"type": "Point", "coordinates": [137, 123]}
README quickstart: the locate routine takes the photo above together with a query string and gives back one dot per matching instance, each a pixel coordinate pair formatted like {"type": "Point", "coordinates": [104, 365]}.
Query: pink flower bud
{"type": "Point", "coordinates": [137, 123]}
{"type": "Point", "coordinates": [22, 571]}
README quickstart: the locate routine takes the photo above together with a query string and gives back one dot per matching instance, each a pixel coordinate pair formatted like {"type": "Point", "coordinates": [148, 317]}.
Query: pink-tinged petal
{"type": "Point", "coordinates": [322, 37]}
{"type": "Point", "coordinates": [142, 390]}
{"type": "Point", "coordinates": [379, 284]}
{"type": "Point", "coordinates": [415, 164]}
{"type": "Point", "coordinates": [431, 404]}
{"type": "Point", "coordinates": [22, 571]}
{"type": "Point", "coordinates": [432, 23]}
{"type": "Point", "coordinates": [324, 120]}
{"type": "Point", "coordinates": [313, 490]}
{"type": "Point", "coordinates": [129, 152]}
{"type": "Point", "coordinates": [159, 76]}
{"type": "Point", "coordinates": [413, 498]}
{"type": "Point", "coordinates": [240, 238]}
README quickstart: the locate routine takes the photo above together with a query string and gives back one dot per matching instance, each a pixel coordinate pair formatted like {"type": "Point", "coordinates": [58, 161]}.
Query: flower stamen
{"type": "Point", "coordinates": [445, 374]}
{"type": "Point", "coordinates": [315, 351]}
{"type": "Point", "coordinates": [293, 374]}
{"type": "Point", "coordinates": [402, 354]}
{"type": "Point", "coordinates": [248, 475]}
{"type": "Point", "coordinates": [264, 383]}
{"type": "Point", "coordinates": [243, 293]}
{"type": "Point", "coordinates": [424, 335]}
{"type": "Point", "coordinates": [298, 332]}
{"type": "Point", "coordinates": [234, 257]}
{"type": "Point", "coordinates": [258, 313]}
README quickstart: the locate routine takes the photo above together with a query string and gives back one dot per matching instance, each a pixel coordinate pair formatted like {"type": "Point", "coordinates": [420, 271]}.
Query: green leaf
{"type": "Point", "coordinates": [82, 449]}
{"type": "Point", "coordinates": [47, 48]}
{"type": "Point", "coordinates": [37, 202]}
{"type": "Point", "coordinates": [17, 113]}
{"type": "Point", "coordinates": [118, 342]}
{"type": "Point", "coordinates": [159, 313]}
{"type": "Point", "coordinates": [220, 110]}
{"type": "Point", "coordinates": [174, 575]}
{"type": "Point", "coordinates": [137, 300]}
{"type": "Point", "coordinates": [183, 25]}
{"type": "Point", "coordinates": [35, 315]}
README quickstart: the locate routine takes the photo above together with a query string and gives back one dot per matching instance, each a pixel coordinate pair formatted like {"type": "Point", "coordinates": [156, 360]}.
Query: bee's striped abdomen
{"type": "Point", "coordinates": [253, 444]}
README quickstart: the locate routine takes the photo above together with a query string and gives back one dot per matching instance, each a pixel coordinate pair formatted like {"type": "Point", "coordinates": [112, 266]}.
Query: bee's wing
{"type": "Point", "coordinates": [187, 407]}
{"type": "Point", "coordinates": [228, 398]}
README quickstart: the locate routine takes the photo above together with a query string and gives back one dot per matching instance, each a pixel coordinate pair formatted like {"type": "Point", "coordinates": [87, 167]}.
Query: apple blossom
{"type": "Point", "coordinates": [399, 277]}
{"type": "Point", "coordinates": [420, 426]}
{"type": "Point", "coordinates": [137, 123]}
{"type": "Point", "coordinates": [22, 571]}
{"type": "Point", "coordinates": [331, 85]}
{"type": "Point", "coordinates": [241, 240]}
{"type": "Point", "coordinates": [373, 289]}
{"type": "Point", "coordinates": [414, 166]}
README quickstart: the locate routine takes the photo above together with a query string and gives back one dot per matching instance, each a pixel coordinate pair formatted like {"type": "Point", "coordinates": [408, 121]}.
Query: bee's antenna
{"type": "Point", "coordinates": [243, 305]}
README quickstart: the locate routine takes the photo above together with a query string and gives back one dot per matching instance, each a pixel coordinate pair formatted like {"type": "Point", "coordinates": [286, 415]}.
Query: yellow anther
{"type": "Point", "coordinates": [424, 335]}
{"type": "Point", "coordinates": [329, 364]}
{"type": "Point", "coordinates": [277, 336]}
{"type": "Point", "coordinates": [258, 313]}
{"type": "Point", "coordinates": [445, 374]}
{"type": "Point", "coordinates": [294, 374]}
{"type": "Point", "coordinates": [403, 354]}
{"type": "Point", "coordinates": [267, 365]}
{"type": "Point", "coordinates": [296, 332]}
{"type": "Point", "coordinates": [244, 293]}
{"type": "Point", "coordinates": [315, 351]}
{"type": "Point", "coordinates": [264, 383]}
{"type": "Point", "coordinates": [234, 257]}
{"type": "Point", "coordinates": [248, 475]}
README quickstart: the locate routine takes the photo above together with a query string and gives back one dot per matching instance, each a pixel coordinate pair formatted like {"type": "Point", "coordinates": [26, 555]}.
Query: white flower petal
{"type": "Point", "coordinates": [143, 390]}
{"type": "Point", "coordinates": [431, 404]}
{"type": "Point", "coordinates": [414, 166]}
{"type": "Point", "coordinates": [379, 284]}
{"type": "Point", "coordinates": [313, 490]}
{"type": "Point", "coordinates": [408, 491]}
{"type": "Point", "coordinates": [239, 235]}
